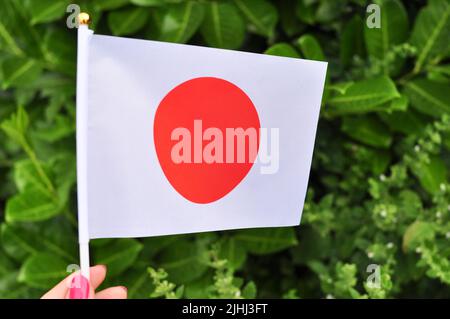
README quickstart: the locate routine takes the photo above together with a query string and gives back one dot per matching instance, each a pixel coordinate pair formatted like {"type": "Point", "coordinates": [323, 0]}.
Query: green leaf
{"type": "Point", "coordinates": [154, 245]}
{"type": "Point", "coordinates": [26, 176]}
{"type": "Point", "coordinates": [155, 3]}
{"type": "Point", "coordinates": [393, 31]}
{"type": "Point", "coordinates": [7, 39]}
{"type": "Point", "coordinates": [103, 5]}
{"type": "Point", "coordinates": [365, 96]}
{"type": "Point", "coordinates": [441, 69]}
{"type": "Point", "coordinates": [429, 97]}
{"type": "Point", "coordinates": [16, 126]}
{"type": "Point", "coordinates": [6, 264]}
{"type": "Point", "coordinates": [150, 3]}
{"type": "Point", "coordinates": [16, 33]}
{"type": "Point", "coordinates": [223, 26]}
{"type": "Point", "coordinates": [18, 71]}
{"type": "Point", "coordinates": [367, 130]}
{"type": "Point", "coordinates": [437, 76]}
{"type": "Point", "coordinates": [100, 242]}
{"type": "Point", "coordinates": [118, 256]}
{"type": "Point", "coordinates": [180, 21]}
{"type": "Point", "coordinates": [327, 11]}
{"type": "Point", "coordinates": [310, 47]}
{"type": "Point", "coordinates": [33, 204]}
{"type": "Point", "coordinates": [408, 122]}
{"type": "Point", "coordinates": [352, 40]}
{"type": "Point", "coordinates": [261, 14]}
{"type": "Point", "coordinates": [43, 270]}
{"type": "Point", "coordinates": [234, 253]}
{"type": "Point", "coordinates": [46, 10]}
{"type": "Point", "coordinates": [379, 161]}
{"type": "Point", "coordinates": [431, 32]}
{"type": "Point", "coordinates": [249, 290]}
{"type": "Point", "coordinates": [183, 262]}
{"type": "Point", "coordinates": [399, 104]}
{"type": "Point", "coordinates": [312, 245]}
{"type": "Point", "coordinates": [431, 175]}
{"type": "Point", "coordinates": [340, 88]}
{"type": "Point", "coordinates": [410, 203]}
{"type": "Point", "coordinates": [137, 281]}
{"type": "Point", "coordinates": [416, 234]}
{"type": "Point", "coordinates": [51, 84]}
{"type": "Point", "coordinates": [20, 241]}
{"type": "Point", "coordinates": [62, 127]}
{"type": "Point", "coordinates": [263, 241]}
{"type": "Point", "coordinates": [63, 173]}
{"type": "Point", "coordinates": [288, 17]}
{"type": "Point", "coordinates": [282, 49]}
{"type": "Point", "coordinates": [196, 289]}
{"type": "Point", "coordinates": [24, 96]}
{"type": "Point", "coordinates": [305, 11]}
{"type": "Point", "coordinates": [127, 21]}
{"type": "Point", "coordinates": [10, 288]}
{"type": "Point", "coordinates": [60, 51]}
{"type": "Point", "coordinates": [61, 169]}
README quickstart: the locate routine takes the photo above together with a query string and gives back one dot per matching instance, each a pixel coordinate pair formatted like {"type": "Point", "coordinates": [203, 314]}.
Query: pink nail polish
{"type": "Point", "coordinates": [79, 288]}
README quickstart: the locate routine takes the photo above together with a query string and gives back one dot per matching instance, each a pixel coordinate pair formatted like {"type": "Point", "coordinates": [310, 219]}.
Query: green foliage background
{"type": "Point", "coordinates": [379, 190]}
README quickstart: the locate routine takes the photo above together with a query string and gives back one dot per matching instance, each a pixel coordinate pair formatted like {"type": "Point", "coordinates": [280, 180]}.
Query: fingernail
{"type": "Point", "coordinates": [79, 288]}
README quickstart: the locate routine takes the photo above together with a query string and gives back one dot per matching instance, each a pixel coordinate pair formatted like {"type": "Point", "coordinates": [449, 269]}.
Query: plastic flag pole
{"type": "Point", "coordinates": [84, 35]}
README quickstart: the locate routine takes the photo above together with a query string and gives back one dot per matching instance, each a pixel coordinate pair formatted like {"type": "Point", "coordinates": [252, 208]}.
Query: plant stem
{"type": "Point", "coordinates": [40, 170]}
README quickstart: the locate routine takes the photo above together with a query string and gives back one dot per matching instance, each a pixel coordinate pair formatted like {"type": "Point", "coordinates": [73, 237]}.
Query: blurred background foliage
{"type": "Point", "coordinates": [379, 189]}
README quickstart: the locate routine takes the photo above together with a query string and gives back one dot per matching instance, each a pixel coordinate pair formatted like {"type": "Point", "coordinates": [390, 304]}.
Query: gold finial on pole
{"type": "Point", "coordinates": [84, 19]}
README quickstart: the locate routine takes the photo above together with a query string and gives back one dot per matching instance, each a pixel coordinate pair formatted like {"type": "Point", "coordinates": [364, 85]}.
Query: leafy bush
{"type": "Point", "coordinates": [379, 189]}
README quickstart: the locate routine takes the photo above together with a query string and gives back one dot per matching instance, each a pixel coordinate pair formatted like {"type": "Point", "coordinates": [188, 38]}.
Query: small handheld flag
{"type": "Point", "coordinates": [175, 138]}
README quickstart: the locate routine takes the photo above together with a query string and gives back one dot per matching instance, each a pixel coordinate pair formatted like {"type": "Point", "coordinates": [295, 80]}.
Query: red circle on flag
{"type": "Point", "coordinates": [217, 105]}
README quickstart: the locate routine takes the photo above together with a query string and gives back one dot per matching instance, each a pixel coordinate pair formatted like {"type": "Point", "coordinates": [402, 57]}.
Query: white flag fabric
{"type": "Point", "coordinates": [146, 176]}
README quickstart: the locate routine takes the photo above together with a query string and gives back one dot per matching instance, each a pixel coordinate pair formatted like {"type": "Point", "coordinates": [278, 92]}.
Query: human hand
{"type": "Point", "coordinates": [76, 286]}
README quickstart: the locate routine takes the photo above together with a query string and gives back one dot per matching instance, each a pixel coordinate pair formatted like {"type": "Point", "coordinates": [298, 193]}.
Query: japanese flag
{"type": "Point", "coordinates": [177, 138]}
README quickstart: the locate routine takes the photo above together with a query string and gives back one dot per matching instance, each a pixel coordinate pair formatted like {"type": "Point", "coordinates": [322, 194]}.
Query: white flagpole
{"type": "Point", "coordinates": [84, 35]}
